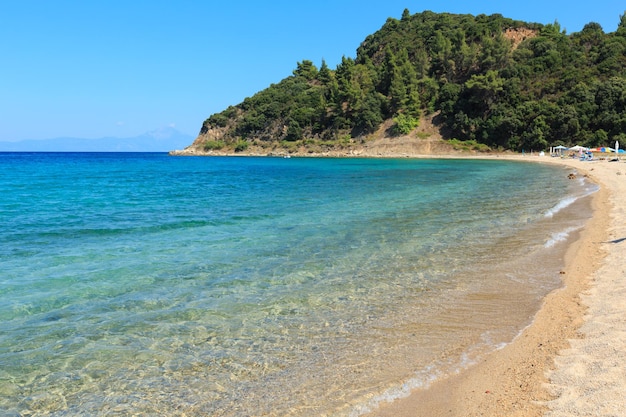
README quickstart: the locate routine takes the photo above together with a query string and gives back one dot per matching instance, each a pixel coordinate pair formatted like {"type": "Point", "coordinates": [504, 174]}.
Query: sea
{"type": "Point", "coordinates": [145, 284]}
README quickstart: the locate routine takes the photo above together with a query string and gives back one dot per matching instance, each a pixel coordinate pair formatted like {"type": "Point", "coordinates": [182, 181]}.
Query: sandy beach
{"type": "Point", "coordinates": [569, 362]}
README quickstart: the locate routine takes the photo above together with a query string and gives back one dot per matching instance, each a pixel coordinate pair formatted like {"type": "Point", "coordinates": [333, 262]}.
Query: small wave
{"type": "Point", "coordinates": [422, 380]}
{"type": "Point", "coordinates": [425, 378]}
{"type": "Point", "coordinates": [559, 237]}
{"type": "Point", "coordinates": [567, 201]}
{"type": "Point", "coordinates": [586, 188]}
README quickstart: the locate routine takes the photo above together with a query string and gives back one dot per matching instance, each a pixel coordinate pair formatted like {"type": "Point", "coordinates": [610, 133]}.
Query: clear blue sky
{"type": "Point", "coordinates": [120, 68]}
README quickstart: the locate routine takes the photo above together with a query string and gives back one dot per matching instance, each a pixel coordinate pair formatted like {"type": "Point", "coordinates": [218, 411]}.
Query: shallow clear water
{"type": "Point", "coordinates": [142, 284]}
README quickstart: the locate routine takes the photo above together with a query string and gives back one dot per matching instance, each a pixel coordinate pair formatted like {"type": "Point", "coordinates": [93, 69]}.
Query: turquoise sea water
{"type": "Point", "coordinates": [143, 284]}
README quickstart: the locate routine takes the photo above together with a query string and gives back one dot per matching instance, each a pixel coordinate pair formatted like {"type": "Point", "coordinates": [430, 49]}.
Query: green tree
{"type": "Point", "coordinates": [621, 27]}
{"type": "Point", "coordinates": [306, 69]}
{"type": "Point", "coordinates": [324, 75]}
{"type": "Point", "coordinates": [441, 50]}
{"type": "Point", "coordinates": [484, 88]}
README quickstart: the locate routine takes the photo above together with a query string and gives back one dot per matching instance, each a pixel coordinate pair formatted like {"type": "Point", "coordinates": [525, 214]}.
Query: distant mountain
{"type": "Point", "coordinates": [160, 140]}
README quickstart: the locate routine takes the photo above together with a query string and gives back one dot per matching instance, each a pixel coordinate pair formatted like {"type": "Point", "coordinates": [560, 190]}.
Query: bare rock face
{"type": "Point", "coordinates": [425, 140]}
{"type": "Point", "coordinates": [518, 35]}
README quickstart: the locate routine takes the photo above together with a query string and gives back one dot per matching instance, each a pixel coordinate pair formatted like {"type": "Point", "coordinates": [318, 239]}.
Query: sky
{"type": "Point", "coordinates": [121, 68]}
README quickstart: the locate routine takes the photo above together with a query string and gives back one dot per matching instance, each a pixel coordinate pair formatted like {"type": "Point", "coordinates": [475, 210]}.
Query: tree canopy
{"type": "Point", "coordinates": [497, 81]}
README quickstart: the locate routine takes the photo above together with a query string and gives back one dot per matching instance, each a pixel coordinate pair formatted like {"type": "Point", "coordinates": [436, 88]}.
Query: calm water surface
{"type": "Point", "coordinates": [143, 284]}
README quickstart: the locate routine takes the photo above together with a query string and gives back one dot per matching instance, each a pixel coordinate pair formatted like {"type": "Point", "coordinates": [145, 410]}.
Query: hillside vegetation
{"type": "Point", "coordinates": [488, 81]}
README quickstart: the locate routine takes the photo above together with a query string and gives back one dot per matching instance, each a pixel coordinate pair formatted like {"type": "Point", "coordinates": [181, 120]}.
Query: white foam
{"type": "Point", "coordinates": [560, 206]}
{"type": "Point", "coordinates": [560, 236]}
{"type": "Point", "coordinates": [586, 188]}
{"type": "Point", "coordinates": [422, 380]}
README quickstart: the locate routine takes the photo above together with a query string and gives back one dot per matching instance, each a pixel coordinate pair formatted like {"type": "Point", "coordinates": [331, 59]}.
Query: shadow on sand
{"type": "Point", "coordinates": [616, 240]}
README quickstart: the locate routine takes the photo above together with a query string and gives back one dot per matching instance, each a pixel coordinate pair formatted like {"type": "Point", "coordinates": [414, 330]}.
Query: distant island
{"type": "Point", "coordinates": [483, 83]}
{"type": "Point", "coordinates": [159, 140]}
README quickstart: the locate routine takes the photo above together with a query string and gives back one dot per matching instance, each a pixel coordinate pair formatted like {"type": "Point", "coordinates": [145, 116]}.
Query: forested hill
{"type": "Point", "coordinates": [489, 80]}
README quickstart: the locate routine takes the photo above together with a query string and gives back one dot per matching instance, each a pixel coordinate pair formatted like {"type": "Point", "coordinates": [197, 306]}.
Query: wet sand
{"type": "Point", "coordinates": [569, 361]}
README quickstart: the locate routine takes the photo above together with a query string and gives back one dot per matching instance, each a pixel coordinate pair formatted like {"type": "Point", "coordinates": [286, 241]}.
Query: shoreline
{"type": "Point", "coordinates": [569, 360]}
{"type": "Point", "coordinates": [552, 368]}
